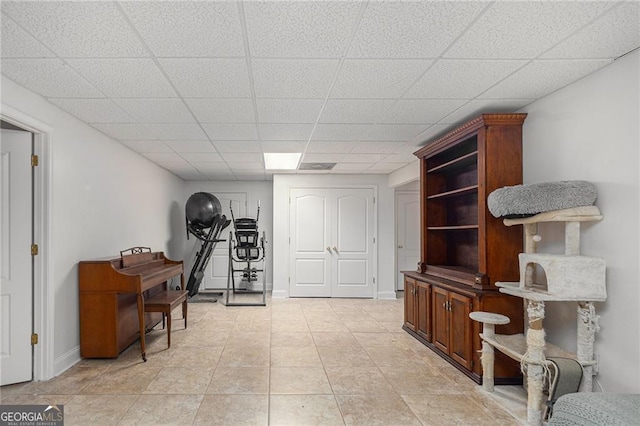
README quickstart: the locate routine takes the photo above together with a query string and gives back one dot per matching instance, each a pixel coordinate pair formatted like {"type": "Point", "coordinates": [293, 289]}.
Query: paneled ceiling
{"type": "Point", "coordinates": [204, 88]}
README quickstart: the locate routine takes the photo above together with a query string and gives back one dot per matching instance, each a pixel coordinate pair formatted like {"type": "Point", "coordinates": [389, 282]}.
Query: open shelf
{"type": "Point", "coordinates": [464, 161]}
{"type": "Point", "coordinates": [452, 228]}
{"type": "Point", "coordinates": [460, 191]}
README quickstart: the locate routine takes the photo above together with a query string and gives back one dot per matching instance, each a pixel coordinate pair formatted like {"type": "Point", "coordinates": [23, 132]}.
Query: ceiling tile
{"type": "Point", "coordinates": [543, 77]}
{"type": "Point", "coordinates": [246, 166]}
{"type": "Point", "coordinates": [197, 157]}
{"type": "Point", "coordinates": [377, 78]}
{"type": "Point", "coordinates": [612, 35]}
{"type": "Point", "coordinates": [461, 78]}
{"type": "Point", "coordinates": [300, 29]}
{"type": "Point", "coordinates": [321, 147]}
{"type": "Point", "coordinates": [188, 175]}
{"type": "Point", "coordinates": [385, 167]}
{"type": "Point", "coordinates": [401, 158]}
{"type": "Point", "coordinates": [427, 111]}
{"type": "Point", "coordinates": [49, 78]}
{"type": "Point", "coordinates": [513, 30]}
{"type": "Point", "coordinates": [208, 78]}
{"type": "Point", "coordinates": [158, 110]}
{"type": "Point", "coordinates": [190, 146]}
{"type": "Point", "coordinates": [249, 176]}
{"type": "Point", "coordinates": [211, 167]}
{"type": "Point", "coordinates": [350, 167]}
{"type": "Point", "coordinates": [363, 158]}
{"type": "Point", "coordinates": [222, 110]}
{"type": "Point", "coordinates": [93, 110]}
{"type": "Point", "coordinates": [124, 78]}
{"type": "Point", "coordinates": [164, 157]}
{"type": "Point", "coordinates": [289, 78]}
{"type": "Point", "coordinates": [189, 28]}
{"type": "Point", "coordinates": [240, 157]}
{"type": "Point", "coordinates": [322, 158]}
{"type": "Point", "coordinates": [285, 132]}
{"type": "Point", "coordinates": [283, 146]}
{"type": "Point", "coordinates": [17, 43]}
{"type": "Point", "coordinates": [146, 146]}
{"type": "Point", "coordinates": [219, 175]}
{"type": "Point", "coordinates": [125, 131]}
{"type": "Point", "coordinates": [354, 110]}
{"type": "Point", "coordinates": [78, 29]}
{"type": "Point", "coordinates": [377, 147]}
{"type": "Point", "coordinates": [412, 29]}
{"type": "Point", "coordinates": [177, 131]}
{"type": "Point", "coordinates": [366, 132]}
{"type": "Point", "coordinates": [432, 131]}
{"type": "Point", "coordinates": [231, 132]}
{"type": "Point", "coordinates": [484, 106]}
{"type": "Point", "coordinates": [237, 146]}
{"type": "Point", "coordinates": [289, 110]}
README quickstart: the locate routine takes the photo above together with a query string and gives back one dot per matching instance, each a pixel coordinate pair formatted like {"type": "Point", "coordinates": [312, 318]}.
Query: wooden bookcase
{"type": "Point", "coordinates": [464, 249]}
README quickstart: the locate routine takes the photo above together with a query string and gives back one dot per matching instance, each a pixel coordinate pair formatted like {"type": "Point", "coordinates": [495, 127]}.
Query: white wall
{"type": "Point", "coordinates": [589, 131]}
{"type": "Point", "coordinates": [104, 198]}
{"type": "Point", "coordinates": [256, 191]}
{"type": "Point", "coordinates": [385, 275]}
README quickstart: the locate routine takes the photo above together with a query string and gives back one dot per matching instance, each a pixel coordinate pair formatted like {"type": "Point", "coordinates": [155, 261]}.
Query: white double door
{"type": "Point", "coordinates": [332, 246]}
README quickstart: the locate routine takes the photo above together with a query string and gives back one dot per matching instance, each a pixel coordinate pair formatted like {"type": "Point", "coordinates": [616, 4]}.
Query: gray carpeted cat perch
{"type": "Point", "coordinates": [531, 199]}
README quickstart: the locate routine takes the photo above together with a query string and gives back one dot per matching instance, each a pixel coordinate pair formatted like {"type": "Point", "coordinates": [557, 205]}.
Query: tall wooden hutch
{"type": "Point", "coordinates": [464, 249]}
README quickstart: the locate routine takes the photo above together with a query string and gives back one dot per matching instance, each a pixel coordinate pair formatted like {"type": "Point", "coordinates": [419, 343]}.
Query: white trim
{"type": "Point", "coordinates": [43, 301]}
{"type": "Point", "coordinates": [279, 294]}
{"type": "Point", "coordinates": [387, 295]}
{"type": "Point", "coordinates": [67, 360]}
{"type": "Point", "coordinates": [399, 286]}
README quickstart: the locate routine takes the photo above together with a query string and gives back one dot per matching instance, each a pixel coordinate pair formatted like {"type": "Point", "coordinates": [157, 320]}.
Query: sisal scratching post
{"type": "Point", "coordinates": [534, 362]}
{"type": "Point", "coordinates": [587, 329]}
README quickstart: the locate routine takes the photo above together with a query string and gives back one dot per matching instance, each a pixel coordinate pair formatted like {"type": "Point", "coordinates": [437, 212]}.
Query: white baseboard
{"type": "Point", "coordinates": [66, 361]}
{"type": "Point", "coordinates": [387, 295]}
{"type": "Point", "coordinates": [279, 294]}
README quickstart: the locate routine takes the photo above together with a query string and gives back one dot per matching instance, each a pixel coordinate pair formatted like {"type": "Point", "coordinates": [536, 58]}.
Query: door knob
{"type": "Point", "coordinates": [335, 249]}
{"type": "Point", "coordinates": [399, 246]}
{"type": "Point", "coordinates": [329, 249]}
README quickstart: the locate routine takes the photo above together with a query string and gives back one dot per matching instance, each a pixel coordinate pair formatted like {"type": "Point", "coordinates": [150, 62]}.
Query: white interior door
{"type": "Point", "coordinates": [310, 249]}
{"type": "Point", "coordinates": [332, 250]}
{"type": "Point", "coordinates": [16, 303]}
{"type": "Point", "coordinates": [407, 233]}
{"type": "Point", "coordinates": [215, 276]}
{"type": "Point", "coordinates": [352, 243]}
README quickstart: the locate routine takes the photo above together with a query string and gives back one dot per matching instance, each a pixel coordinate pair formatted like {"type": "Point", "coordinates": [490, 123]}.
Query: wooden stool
{"type": "Point", "coordinates": [166, 302]}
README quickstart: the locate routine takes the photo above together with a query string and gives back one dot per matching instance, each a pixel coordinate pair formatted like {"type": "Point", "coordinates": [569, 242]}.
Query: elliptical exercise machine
{"type": "Point", "coordinates": [248, 252]}
{"type": "Point", "coordinates": [203, 211]}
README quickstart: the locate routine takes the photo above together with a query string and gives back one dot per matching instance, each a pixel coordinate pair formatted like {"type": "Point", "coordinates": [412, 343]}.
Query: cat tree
{"type": "Point", "coordinates": [569, 277]}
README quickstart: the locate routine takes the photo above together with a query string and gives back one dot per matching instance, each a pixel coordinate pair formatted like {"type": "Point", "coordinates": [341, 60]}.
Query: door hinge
{"type": "Point", "coordinates": [34, 160]}
{"type": "Point", "coordinates": [374, 280]}
{"type": "Point", "coordinates": [289, 280]}
{"type": "Point", "coordinates": [374, 200]}
{"type": "Point", "coordinates": [374, 240]}
{"type": "Point", "coordinates": [34, 249]}
{"type": "Point", "coordinates": [34, 339]}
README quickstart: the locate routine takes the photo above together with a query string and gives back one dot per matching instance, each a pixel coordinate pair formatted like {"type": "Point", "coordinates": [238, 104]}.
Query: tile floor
{"type": "Point", "coordinates": [294, 362]}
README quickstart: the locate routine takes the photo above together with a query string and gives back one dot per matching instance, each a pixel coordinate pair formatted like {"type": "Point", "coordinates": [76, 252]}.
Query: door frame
{"type": "Point", "coordinates": [43, 297]}
{"type": "Point", "coordinates": [329, 185]}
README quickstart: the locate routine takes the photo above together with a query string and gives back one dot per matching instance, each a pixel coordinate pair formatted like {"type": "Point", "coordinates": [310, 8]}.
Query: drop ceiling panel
{"type": "Point", "coordinates": [158, 110]}
{"type": "Point", "coordinates": [300, 29]}
{"type": "Point", "coordinates": [487, 106]}
{"type": "Point", "coordinates": [377, 78]}
{"type": "Point", "coordinates": [48, 77]}
{"type": "Point", "coordinates": [78, 29]}
{"type": "Point", "coordinates": [288, 78]}
{"type": "Point", "coordinates": [194, 157]}
{"type": "Point", "coordinates": [363, 158]}
{"type": "Point", "coordinates": [283, 146]}
{"type": "Point", "coordinates": [543, 77]}
{"type": "Point", "coordinates": [177, 131]}
{"type": "Point", "coordinates": [320, 147]}
{"type": "Point", "coordinates": [512, 30]}
{"type": "Point", "coordinates": [190, 146]}
{"type": "Point", "coordinates": [285, 132]}
{"type": "Point", "coordinates": [125, 131]}
{"type": "Point", "coordinates": [211, 167]}
{"type": "Point", "coordinates": [614, 34]}
{"type": "Point", "coordinates": [245, 165]}
{"type": "Point", "coordinates": [208, 78]}
{"type": "Point", "coordinates": [231, 132]}
{"type": "Point", "coordinates": [377, 147]}
{"type": "Point", "coordinates": [17, 43]}
{"type": "Point", "coordinates": [385, 167]}
{"type": "Point", "coordinates": [355, 110]}
{"type": "Point", "coordinates": [322, 158]}
{"type": "Point", "coordinates": [366, 132]}
{"type": "Point", "coordinates": [422, 110]}
{"type": "Point", "coordinates": [289, 110]}
{"type": "Point", "coordinates": [411, 29]}
{"type": "Point", "coordinates": [350, 167]}
{"type": "Point", "coordinates": [236, 146]}
{"type": "Point", "coordinates": [124, 78]}
{"type": "Point", "coordinates": [94, 110]}
{"type": "Point", "coordinates": [189, 28]}
{"type": "Point", "coordinates": [461, 78]}
{"type": "Point", "coordinates": [221, 110]}
{"type": "Point", "coordinates": [147, 146]}
{"type": "Point", "coordinates": [239, 157]}
{"type": "Point", "coordinates": [164, 157]}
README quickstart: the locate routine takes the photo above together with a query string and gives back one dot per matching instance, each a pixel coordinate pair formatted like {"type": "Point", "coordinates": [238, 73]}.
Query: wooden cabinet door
{"type": "Point", "coordinates": [410, 303]}
{"type": "Point", "coordinates": [440, 319]}
{"type": "Point", "coordinates": [460, 339]}
{"type": "Point", "coordinates": [423, 310]}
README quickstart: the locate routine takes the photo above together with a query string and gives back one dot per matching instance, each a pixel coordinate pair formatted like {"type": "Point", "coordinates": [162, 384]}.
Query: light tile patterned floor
{"type": "Point", "coordinates": [294, 362]}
